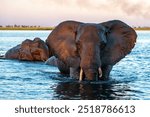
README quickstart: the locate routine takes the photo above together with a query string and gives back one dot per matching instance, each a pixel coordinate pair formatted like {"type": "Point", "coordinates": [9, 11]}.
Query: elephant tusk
{"type": "Point", "coordinates": [81, 75]}
{"type": "Point", "coordinates": [100, 72]}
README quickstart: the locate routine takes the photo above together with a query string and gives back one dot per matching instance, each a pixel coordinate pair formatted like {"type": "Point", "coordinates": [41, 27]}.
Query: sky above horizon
{"type": "Point", "coordinates": [52, 12]}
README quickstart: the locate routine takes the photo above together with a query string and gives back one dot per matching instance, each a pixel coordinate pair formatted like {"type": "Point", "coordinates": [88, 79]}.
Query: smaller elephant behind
{"type": "Point", "coordinates": [35, 50]}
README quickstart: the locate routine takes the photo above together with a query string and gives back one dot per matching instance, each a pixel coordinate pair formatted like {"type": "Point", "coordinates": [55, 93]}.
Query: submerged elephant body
{"type": "Point", "coordinates": [13, 53]}
{"type": "Point", "coordinates": [35, 50]}
{"type": "Point", "coordinates": [93, 48]}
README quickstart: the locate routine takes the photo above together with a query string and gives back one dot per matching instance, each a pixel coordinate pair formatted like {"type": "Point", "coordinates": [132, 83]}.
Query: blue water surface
{"type": "Point", "coordinates": [130, 78]}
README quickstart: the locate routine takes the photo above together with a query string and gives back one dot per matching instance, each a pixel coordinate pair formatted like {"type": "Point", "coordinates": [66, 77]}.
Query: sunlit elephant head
{"type": "Point", "coordinates": [92, 49]}
{"type": "Point", "coordinates": [90, 41]}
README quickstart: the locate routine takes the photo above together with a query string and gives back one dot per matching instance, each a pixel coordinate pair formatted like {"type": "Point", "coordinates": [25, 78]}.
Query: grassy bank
{"type": "Point", "coordinates": [142, 28]}
{"type": "Point", "coordinates": [26, 28]}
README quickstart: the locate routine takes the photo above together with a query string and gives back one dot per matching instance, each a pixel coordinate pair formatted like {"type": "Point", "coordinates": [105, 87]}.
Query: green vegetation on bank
{"type": "Point", "coordinates": [142, 28]}
{"type": "Point", "coordinates": [26, 28]}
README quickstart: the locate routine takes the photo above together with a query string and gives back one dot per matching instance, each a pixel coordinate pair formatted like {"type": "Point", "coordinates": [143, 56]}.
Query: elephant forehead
{"type": "Point", "coordinates": [27, 41]}
{"type": "Point", "coordinates": [25, 46]}
{"type": "Point", "coordinates": [87, 28]}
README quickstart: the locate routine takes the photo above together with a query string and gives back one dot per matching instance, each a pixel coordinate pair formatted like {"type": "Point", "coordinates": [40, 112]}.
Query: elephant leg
{"type": "Point", "coordinates": [106, 72]}
{"type": "Point", "coordinates": [63, 68]}
{"type": "Point", "coordinates": [74, 72]}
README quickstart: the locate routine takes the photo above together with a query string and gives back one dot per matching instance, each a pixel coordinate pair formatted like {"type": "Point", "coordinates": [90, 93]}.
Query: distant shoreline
{"type": "Point", "coordinates": [27, 28]}
{"type": "Point", "coordinates": [50, 28]}
{"type": "Point", "coordinates": [142, 28]}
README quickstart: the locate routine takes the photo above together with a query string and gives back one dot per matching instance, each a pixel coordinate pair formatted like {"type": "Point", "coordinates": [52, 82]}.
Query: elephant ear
{"type": "Point", "coordinates": [62, 43]}
{"type": "Point", "coordinates": [121, 38]}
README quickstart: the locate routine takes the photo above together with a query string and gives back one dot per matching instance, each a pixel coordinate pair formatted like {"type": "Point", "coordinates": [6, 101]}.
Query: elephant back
{"type": "Point", "coordinates": [13, 53]}
{"type": "Point", "coordinates": [31, 50]}
{"type": "Point", "coordinates": [121, 38]}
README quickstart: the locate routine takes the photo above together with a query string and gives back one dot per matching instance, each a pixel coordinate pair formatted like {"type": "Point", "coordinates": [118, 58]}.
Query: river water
{"type": "Point", "coordinates": [19, 80]}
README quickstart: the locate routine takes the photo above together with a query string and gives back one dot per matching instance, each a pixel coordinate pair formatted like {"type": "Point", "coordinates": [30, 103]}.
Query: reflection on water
{"type": "Point", "coordinates": [130, 78]}
{"type": "Point", "coordinates": [90, 91]}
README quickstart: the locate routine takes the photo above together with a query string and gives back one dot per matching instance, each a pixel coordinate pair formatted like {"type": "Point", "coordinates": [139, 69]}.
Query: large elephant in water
{"type": "Point", "coordinates": [91, 50]}
{"type": "Point", "coordinates": [31, 50]}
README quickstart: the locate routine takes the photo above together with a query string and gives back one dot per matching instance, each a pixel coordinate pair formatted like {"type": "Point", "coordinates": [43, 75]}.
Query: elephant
{"type": "Point", "coordinates": [90, 49]}
{"type": "Point", "coordinates": [31, 50]}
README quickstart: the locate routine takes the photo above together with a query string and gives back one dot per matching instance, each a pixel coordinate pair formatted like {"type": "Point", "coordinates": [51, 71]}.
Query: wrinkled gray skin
{"type": "Point", "coordinates": [94, 48]}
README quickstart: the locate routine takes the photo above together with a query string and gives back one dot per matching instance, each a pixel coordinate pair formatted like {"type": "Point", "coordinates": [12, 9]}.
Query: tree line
{"type": "Point", "coordinates": [20, 26]}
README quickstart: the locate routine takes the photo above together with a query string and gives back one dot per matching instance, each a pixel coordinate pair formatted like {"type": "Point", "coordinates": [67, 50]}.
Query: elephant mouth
{"type": "Point", "coordinates": [92, 76]}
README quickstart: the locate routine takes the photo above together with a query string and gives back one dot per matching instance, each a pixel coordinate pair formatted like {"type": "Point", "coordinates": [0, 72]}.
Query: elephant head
{"type": "Point", "coordinates": [34, 50]}
{"type": "Point", "coordinates": [93, 48]}
{"type": "Point", "coordinates": [78, 45]}
{"type": "Point", "coordinates": [90, 41]}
